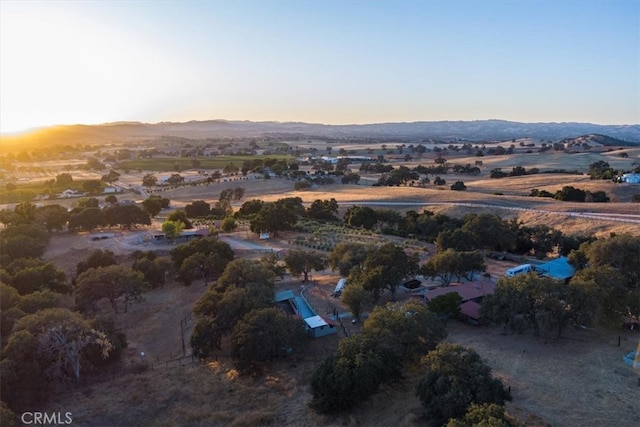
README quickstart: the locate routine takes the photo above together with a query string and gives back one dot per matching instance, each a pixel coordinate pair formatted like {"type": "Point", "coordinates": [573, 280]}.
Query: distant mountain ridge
{"type": "Point", "coordinates": [476, 130]}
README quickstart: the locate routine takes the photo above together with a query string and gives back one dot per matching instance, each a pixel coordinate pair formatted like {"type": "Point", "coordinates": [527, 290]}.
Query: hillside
{"type": "Point", "coordinates": [478, 130]}
{"type": "Point", "coordinates": [595, 138]}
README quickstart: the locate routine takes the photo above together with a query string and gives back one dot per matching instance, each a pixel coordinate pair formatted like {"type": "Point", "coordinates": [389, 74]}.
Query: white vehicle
{"type": "Point", "coordinates": [339, 287]}
{"type": "Point", "coordinates": [521, 269]}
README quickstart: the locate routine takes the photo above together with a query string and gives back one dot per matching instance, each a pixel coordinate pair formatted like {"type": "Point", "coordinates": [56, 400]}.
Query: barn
{"type": "Point", "coordinates": [317, 326]}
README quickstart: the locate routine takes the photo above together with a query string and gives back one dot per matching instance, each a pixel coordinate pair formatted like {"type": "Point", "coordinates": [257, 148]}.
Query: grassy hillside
{"type": "Point", "coordinates": [595, 138]}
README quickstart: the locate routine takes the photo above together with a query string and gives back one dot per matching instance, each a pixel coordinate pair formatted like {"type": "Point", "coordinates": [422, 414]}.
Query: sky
{"type": "Point", "coordinates": [333, 62]}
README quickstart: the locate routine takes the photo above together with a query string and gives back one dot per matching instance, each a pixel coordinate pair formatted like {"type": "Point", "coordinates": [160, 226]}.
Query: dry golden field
{"type": "Point", "coordinates": [579, 380]}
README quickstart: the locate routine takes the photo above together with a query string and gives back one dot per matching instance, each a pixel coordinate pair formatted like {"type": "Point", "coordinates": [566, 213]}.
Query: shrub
{"type": "Point", "coordinates": [301, 185]}
{"type": "Point", "coordinates": [458, 186]}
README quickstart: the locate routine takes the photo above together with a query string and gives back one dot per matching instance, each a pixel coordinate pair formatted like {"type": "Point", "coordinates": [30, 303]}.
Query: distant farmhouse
{"type": "Point", "coordinates": [630, 178]}
{"type": "Point", "coordinates": [110, 190]}
{"type": "Point", "coordinates": [70, 193]}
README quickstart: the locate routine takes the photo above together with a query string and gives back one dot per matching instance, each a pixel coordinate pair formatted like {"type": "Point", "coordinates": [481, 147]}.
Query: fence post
{"type": "Point", "coordinates": [182, 336]}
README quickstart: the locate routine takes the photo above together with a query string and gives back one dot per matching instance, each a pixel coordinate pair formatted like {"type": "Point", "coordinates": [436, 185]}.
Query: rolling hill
{"type": "Point", "coordinates": [595, 138]}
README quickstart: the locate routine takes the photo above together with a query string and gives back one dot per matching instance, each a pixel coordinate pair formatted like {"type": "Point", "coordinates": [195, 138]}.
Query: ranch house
{"type": "Point", "coordinates": [472, 294]}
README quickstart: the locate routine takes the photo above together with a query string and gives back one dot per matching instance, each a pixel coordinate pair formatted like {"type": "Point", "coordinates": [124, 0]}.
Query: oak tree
{"type": "Point", "coordinates": [455, 378]}
{"type": "Point", "coordinates": [303, 262]}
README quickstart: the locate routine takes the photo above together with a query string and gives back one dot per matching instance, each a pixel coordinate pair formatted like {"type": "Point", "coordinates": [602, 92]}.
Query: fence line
{"type": "Point", "coordinates": [174, 363]}
{"type": "Point", "coordinates": [332, 309]}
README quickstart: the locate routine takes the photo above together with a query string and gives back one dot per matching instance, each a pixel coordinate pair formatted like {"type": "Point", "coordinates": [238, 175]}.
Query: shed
{"type": "Point", "coordinates": [284, 296]}
{"type": "Point", "coordinates": [318, 326]}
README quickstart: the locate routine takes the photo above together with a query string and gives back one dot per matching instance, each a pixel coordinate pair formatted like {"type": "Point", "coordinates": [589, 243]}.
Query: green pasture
{"type": "Point", "coordinates": [168, 164]}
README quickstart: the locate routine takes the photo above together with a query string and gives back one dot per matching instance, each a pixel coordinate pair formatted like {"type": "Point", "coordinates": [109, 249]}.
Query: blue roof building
{"type": "Point", "coordinates": [317, 326]}
{"type": "Point", "coordinates": [558, 269]}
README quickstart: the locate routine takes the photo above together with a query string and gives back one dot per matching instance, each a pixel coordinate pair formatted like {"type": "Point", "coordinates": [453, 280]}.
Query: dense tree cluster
{"type": "Point", "coordinates": [569, 193]}
{"type": "Point", "coordinates": [47, 347]}
{"type": "Point", "coordinates": [601, 170]}
{"type": "Point", "coordinates": [456, 378]}
{"type": "Point", "coordinates": [375, 167]}
{"type": "Point", "coordinates": [361, 216]}
{"type": "Point", "coordinates": [303, 262]}
{"type": "Point", "coordinates": [125, 216]}
{"type": "Point", "coordinates": [350, 178]}
{"type": "Point", "coordinates": [115, 283]}
{"type": "Point", "coordinates": [458, 186]}
{"type": "Point", "coordinates": [347, 255]}
{"type": "Point", "coordinates": [612, 265]}
{"type": "Point", "coordinates": [323, 210]}
{"type": "Point", "coordinates": [240, 305]}
{"type": "Point", "coordinates": [393, 336]}
{"type": "Point", "coordinates": [28, 275]}
{"type": "Point", "coordinates": [515, 171]}
{"type": "Point", "coordinates": [44, 343]}
{"type": "Point", "coordinates": [154, 269]}
{"type": "Point", "coordinates": [154, 204]}
{"type": "Point", "coordinates": [180, 215]}
{"type": "Point", "coordinates": [204, 258]}
{"type": "Point", "coordinates": [197, 209]}
{"type": "Point", "coordinates": [149, 180]}
{"type": "Point", "coordinates": [400, 176]}
{"type": "Point", "coordinates": [447, 264]}
{"type": "Point", "coordinates": [272, 217]}
{"type": "Point", "coordinates": [22, 241]}
{"type": "Point", "coordinates": [371, 271]}
{"type": "Point", "coordinates": [269, 164]}
{"type": "Point", "coordinates": [603, 291]}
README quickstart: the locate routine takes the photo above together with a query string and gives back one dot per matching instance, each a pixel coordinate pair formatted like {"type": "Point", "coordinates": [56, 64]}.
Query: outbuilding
{"type": "Point", "coordinates": [558, 269]}
{"type": "Point", "coordinates": [631, 178]}
{"type": "Point", "coordinates": [318, 326]}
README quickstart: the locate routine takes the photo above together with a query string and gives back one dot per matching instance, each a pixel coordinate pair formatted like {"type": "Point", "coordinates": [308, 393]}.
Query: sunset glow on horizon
{"type": "Point", "coordinates": [320, 62]}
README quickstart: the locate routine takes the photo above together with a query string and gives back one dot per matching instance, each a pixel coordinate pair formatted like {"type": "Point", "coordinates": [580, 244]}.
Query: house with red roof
{"type": "Point", "coordinates": [472, 294]}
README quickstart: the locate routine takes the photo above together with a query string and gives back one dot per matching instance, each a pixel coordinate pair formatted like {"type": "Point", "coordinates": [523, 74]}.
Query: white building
{"type": "Point", "coordinates": [70, 193]}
